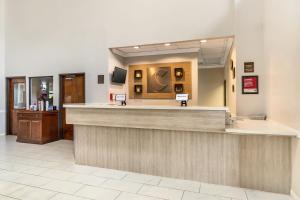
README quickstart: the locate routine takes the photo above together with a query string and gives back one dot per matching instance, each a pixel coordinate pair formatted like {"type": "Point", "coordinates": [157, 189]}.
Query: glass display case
{"type": "Point", "coordinates": [19, 95]}
{"type": "Point", "coordinates": [41, 90]}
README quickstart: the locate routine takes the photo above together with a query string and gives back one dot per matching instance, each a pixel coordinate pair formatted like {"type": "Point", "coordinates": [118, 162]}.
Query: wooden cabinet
{"type": "Point", "coordinates": [37, 127]}
{"type": "Point", "coordinates": [24, 125]}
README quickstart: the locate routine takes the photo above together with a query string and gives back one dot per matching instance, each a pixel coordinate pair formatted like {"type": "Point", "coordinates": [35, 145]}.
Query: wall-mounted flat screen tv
{"type": "Point", "coordinates": [119, 75]}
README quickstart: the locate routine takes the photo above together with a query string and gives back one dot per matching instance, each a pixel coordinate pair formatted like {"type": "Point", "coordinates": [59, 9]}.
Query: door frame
{"type": "Point", "coordinates": [61, 76]}
{"type": "Point", "coordinates": [7, 95]}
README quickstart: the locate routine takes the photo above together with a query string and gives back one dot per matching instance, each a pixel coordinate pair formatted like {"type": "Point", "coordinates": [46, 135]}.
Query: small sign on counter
{"type": "Point", "coordinates": [183, 98]}
{"type": "Point", "coordinates": [121, 98]}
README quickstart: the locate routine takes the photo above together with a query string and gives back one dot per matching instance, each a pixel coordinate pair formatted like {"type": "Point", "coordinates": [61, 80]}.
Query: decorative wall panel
{"type": "Point", "coordinates": [158, 80]}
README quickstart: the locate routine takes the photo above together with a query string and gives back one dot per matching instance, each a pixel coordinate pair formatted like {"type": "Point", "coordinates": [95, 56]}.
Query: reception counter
{"type": "Point", "coordinates": [190, 143]}
{"type": "Point", "coordinates": [148, 117]}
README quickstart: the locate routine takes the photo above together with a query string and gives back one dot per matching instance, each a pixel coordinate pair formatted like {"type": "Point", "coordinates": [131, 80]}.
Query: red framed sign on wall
{"type": "Point", "coordinates": [250, 85]}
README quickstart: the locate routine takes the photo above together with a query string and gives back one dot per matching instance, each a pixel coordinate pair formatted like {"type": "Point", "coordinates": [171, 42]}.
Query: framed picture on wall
{"type": "Point", "coordinates": [249, 67]}
{"type": "Point", "coordinates": [250, 85]}
{"type": "Point", "coordinates": [232, 64]}
{"type": "Point", "coordinates": [233, 73]}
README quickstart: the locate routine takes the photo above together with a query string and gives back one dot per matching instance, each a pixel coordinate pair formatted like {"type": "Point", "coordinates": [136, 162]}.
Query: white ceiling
{"type": "Point", "coordinates": [212, 53]}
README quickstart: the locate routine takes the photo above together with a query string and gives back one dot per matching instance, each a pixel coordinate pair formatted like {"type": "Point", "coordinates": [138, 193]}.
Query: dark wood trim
{"type": "Point", "coordinates": [7, 95]}
{"type": "Point", "coordinates": [7, 87]}
{"type": "Point", "coordinates": [60, 95]}
{"type": "Point", "coordinates": [225, 93]}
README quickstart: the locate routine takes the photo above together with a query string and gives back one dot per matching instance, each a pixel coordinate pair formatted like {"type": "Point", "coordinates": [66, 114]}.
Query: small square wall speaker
{"type": "Point", "coordinates": [100, 79]}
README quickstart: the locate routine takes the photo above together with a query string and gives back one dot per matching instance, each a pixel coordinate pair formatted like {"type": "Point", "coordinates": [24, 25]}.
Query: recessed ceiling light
{"type": "Point", "coordinates": [136, 47]}
{"type": "Point", "coordinates": [168, 44]}
{"type": "Point", "coordinates": [203, 41]}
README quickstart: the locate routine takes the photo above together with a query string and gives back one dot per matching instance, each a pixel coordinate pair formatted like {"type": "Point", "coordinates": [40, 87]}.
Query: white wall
{"type": "Point", "coordinates": [2, 62]}
{"type": "Point", "coordinates": [53, 36]}
{"type": "Point", "coordinates": [211, 87]}
{"type": "Point", "coordinates": [134, 22]}
{"type": "Point", "coordinates": [117, 61]}
{"type": "Point", "coordinates": [282, 43]}
{"type": "Point", "coordinates": [282, 47]}
{"type": "Point", "coordinates": [249, 41]}
{"type": "Point", "coordinates": [231, 81]}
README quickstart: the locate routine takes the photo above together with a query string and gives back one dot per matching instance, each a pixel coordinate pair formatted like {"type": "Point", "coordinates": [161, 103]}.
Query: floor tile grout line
{"type": "Point", "coordinates": [183, 195]}
{"type": "Point", "coordinates": [83, 186]}
{"type": "Point", "coordinates": [9, 197]}
{"type": "Point", "coordinates": [146, 183]}
{"type": "Point", "coordinates": [74, 194]}
{"type": "Point", "coordinates": [46, 168]}
{"type": "Point", "coordinates": [21, 163]}
{"type": "Point", "coordinates": [200, 187]}
{"type": "Point", "coordinates": [38, 176]}
{"type": "Point", "coordinates": [53, 196]}
{"type": "Point", "coordinates": [137, 192]}
{"type": "Point", "coordinates": [66, 180]}
{"type": "Point", "coordinates": [158, 185]}
{"type": "Point", "coordinates": [144, 195]}
{"type": "Point", "coordinates": [24, 185]}
{"type": "Point", "coordinates": [217, 195]}
{"type": "Point", "coordinates": [124, 177]}
{"type": "Point", "coordinates": [173, 188]}
{"type": "Point", "coordinates": [118, 196]}
{"type": "Point", "coordinates": [100, 186]}
{"type": "Point", "coordinates": [246, 195]}
{"type": "Point", "coordinates": [81, 197]}
{"type": "Point", "coordinates": [61, 168]}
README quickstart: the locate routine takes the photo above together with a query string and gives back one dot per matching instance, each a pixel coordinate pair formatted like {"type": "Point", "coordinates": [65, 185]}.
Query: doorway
{"type": "Point", "coordinates": [16, 101]}
{"type": "Point", "coordinates": [72, 90]}
{"type": "Point", "coordinates": [211, 88]}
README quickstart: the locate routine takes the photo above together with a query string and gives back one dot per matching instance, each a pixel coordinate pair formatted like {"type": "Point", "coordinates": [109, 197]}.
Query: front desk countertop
{"type": "Point", "coordinates": [146, 107]}
{"type": "Point", "coordinates": [177, 118]}
{"type": "Point", "coordinates": [242, 127]}
{"type": "Point", "coordinates": [261, 127]}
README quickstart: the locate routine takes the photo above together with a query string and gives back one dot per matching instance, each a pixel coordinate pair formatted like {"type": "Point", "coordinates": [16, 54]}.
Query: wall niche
{"type": "Point", "coordinates": [160, 80]}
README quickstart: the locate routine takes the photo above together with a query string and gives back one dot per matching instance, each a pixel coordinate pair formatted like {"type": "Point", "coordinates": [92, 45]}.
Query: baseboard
{"type": "Point", "coordinates": [294, 195]}
{"type": "Point", "coordinates": [2, 122]}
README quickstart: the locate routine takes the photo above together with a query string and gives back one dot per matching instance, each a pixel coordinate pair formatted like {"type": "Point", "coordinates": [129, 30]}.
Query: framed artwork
{"type": "Point", "coordinates": [232, 66]}
{"type": "Point", "coordinates": [250, 85]}
{"type": "Point", "coordinates": [233, 73]}
{"type": "Point", "coordinates": [178, 88]}
{"type": "Point", "coordinates": [249, 67]}
{"type": "Point", "coordinates": [178, 73]}
{"type": "Point", "coordinates": [138, 89]}
{"type": "Point", "coordinates": [159, 80]}
{"type": "Point", "coordinates": [138, 74]}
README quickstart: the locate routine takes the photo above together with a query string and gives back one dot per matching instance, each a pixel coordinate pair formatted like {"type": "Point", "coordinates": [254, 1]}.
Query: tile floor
{"type": "Point", "coordinates": [34, 172]}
